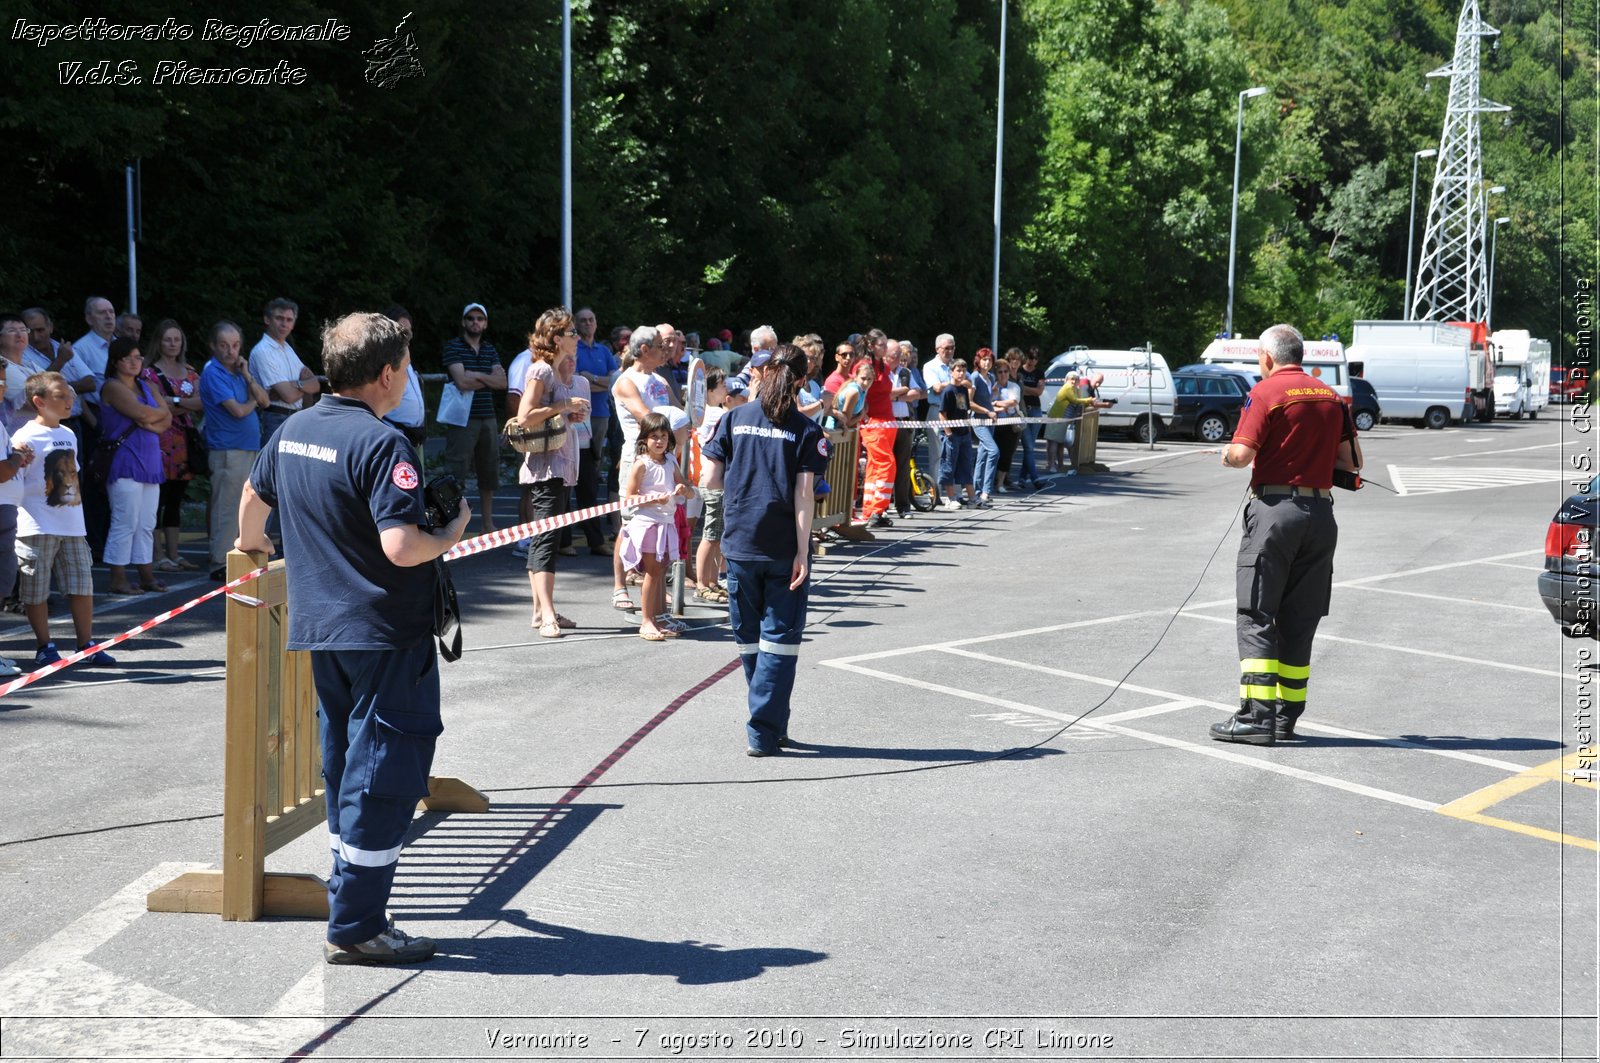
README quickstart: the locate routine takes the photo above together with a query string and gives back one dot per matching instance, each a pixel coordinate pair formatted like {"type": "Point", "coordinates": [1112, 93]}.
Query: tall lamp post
{"type": "Point", "coordinates": [1488, 322]}
{"type": "Point", "coordinates": [999, 151]}
{"type": "Point", "coordinates": [1233, 226]}
{"type": "Point", "coordinates": [1411, 235]}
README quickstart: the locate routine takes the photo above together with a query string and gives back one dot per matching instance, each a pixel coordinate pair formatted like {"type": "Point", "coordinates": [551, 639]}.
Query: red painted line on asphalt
{"type": "Point", "coordinates": [567, 798]}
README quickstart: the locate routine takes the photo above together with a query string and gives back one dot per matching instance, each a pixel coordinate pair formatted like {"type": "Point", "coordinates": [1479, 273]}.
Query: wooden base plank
{"type": "Point", "coordinates": [446, 794]}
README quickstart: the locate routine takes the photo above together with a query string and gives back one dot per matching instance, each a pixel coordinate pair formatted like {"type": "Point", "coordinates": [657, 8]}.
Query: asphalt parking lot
{"type": "Point", "coordinates": [1003, 833]}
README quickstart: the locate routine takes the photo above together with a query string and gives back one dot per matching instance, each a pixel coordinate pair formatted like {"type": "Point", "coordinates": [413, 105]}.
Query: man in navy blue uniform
{"type": "Point", "coordinates": [348, 493]}
{"type": "Point", "coordinates": [766, 457]}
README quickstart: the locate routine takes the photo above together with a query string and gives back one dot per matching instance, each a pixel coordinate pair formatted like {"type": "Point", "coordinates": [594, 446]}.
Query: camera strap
{"type": "Point", "coordinates": [446, 612]}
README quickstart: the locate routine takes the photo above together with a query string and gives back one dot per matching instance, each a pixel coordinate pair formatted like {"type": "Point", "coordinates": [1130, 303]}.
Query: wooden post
{"type": "Point", "coordinates": [272, 767]}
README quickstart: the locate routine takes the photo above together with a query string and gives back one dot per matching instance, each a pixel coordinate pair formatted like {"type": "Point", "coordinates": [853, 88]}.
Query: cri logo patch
{"type": "Point", "coordinates": [404, 476]}
{"type": "Point", "coordinates": [822, 447]}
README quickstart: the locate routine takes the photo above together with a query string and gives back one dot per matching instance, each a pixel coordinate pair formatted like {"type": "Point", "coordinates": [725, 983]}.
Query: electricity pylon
{"type": "Point", "coordinates": [1453, 275]}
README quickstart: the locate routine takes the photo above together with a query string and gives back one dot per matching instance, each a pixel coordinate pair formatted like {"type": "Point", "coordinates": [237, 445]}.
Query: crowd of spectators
{"type": "Point", "coordinates": [104, 437]}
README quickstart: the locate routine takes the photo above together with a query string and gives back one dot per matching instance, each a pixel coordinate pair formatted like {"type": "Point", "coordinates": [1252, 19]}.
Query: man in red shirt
{"type": "Point", "coordinates": [1296, 431]}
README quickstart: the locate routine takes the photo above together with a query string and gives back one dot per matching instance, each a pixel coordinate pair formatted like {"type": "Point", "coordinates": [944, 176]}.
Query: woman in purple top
{"type": "Point", "coordinates": [131, 413]}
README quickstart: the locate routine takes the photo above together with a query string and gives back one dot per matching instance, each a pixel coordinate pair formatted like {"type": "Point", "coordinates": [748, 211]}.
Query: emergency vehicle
{"type": "Point", "coordinates": [1324, 359]}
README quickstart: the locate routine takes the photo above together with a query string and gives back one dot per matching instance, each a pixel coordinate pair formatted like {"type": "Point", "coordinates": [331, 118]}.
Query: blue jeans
{"type": "Point", "coordinates": [768, 620]}
{"type": "Point", "coordinates": [988, 463]}
{"type": "Point", "coordinates": [955, 462]}
{"type": "Point", "coordinates": [1030, 436]}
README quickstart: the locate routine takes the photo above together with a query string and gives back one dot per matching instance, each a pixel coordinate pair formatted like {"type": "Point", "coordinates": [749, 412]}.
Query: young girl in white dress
{"type": "Point", "coordinates": [650, 539]}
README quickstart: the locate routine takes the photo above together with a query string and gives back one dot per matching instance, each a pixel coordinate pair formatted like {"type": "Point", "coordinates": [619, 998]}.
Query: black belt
{"type": "Point", "coordinates": [283, 409]}
{"type": "Point", "coordinates": [1287, 491]}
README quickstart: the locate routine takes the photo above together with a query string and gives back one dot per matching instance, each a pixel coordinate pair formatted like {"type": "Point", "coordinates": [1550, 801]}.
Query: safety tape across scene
{"type": "Point", "coordinates": [970, 422]}
{"type": "Point", "coordinates": [503, 537]}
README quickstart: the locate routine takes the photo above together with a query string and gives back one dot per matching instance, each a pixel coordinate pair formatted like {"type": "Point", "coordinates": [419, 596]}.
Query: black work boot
{"type": "Point", "coordinates": [1284, 721]}
{"type": "Point", "coordinates": [1253, 725]}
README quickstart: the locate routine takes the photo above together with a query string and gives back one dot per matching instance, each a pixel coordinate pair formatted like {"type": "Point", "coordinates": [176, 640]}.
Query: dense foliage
{"type": "Point", "coordinates": [821, 164]}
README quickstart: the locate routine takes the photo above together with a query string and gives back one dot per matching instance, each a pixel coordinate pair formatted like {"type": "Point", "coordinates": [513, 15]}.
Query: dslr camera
{"type": "Point", "coordinates": [441, 500]}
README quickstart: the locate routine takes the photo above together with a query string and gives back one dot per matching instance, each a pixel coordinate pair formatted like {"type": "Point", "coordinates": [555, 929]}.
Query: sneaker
{"type": "Point", "coordinates": [8, 668]}
{"type": "Point", "coordinates": [566, 551]}
{"type": "Point", "coordinates": [520, 547]}
{"type": "Point", "coordinates": [219, 574]}
{"type": "Point", "coordinates": [393, 946]}
{"type": "Point", "coordinates": [984, 503]}
{"type": "Point", "coordinates": [752, 751]}
{"type": "Point", "coordinates": [880, 521]}
{"type": "Point", "coordinates": [98, 660]}
{"type": "Point", "coordinates": [45, 655]}
{"type": "Point", "coordinates": [823, 487]}
{"type": "Point", "coordinates": [949, 505]}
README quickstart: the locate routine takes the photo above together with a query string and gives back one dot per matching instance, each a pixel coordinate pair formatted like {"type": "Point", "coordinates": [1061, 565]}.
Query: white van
{"type": "Point", "coordinates": [1323, 359]}
{"type": "Point", "coordinates": [1137, 384]}
{"type": "Point", "coordinates": [1424, 371]}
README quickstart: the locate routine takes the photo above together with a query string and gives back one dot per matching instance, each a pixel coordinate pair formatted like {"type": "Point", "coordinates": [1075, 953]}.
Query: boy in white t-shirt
{"type": "Point", "coordinates": [50, 533]}
{"type": "Point", "coordinates": [708, 559]}
{"type": "Point", "coordinates": [12, 461]}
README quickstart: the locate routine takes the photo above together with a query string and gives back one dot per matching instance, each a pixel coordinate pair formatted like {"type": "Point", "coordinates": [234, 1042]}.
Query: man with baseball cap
{"type": "Point", "coordinates": [476, 370]}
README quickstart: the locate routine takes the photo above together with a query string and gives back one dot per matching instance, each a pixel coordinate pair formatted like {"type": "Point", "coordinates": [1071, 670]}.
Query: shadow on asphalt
{"type": "Point", "coordinates": [472, 867]}
{"type": "Point", "coordinates": [549, 949]}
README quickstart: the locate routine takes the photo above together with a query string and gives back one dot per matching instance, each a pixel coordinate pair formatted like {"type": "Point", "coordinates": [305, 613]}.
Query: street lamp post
{"type": "Point", "coordinates": [1233, 226]}
{"type": "Point", "coordinates": [1411, 235]}
{"type": "Point", "coordinates": [1488, 317]}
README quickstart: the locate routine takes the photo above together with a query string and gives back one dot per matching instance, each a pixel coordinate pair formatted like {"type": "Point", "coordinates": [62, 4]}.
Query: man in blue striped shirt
{"type": "Point", "coordinates": [475, 368]}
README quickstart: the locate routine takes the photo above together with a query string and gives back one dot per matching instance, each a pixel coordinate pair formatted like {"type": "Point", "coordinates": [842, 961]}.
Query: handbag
{"type": "Point", "coordinates": [199, 458]}
{"type": "Point", "coordinates": [199, 454]}
{"type": "Point", "coordinates": [455, 405]}
{"type": "Point", "coordinates": [98, 467]}
{"type": "Point", "coordinates": [549, 434]}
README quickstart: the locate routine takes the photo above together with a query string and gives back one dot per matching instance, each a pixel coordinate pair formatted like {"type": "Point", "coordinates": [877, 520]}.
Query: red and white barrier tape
{"type": "Point", "coordinates": [507, 536]}
{"type": "Point", "coordinates": [503, 537]}
{"type": "Point", "coordinates": [970, 422]}
{"type": "Point", "coordinates": [160, 618]}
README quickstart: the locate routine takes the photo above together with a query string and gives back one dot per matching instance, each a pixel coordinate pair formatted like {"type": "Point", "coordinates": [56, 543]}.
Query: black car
{"type": "Point", "coordinates": [1364, 404]}
{"type": "Point", "coordinates": [1568, 581]}
{"type": "Point", "coordinates": [1208, 400]}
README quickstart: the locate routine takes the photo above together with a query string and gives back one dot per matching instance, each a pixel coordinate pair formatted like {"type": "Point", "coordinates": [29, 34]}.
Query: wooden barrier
{"type": "Point", "coordinates": [272, 767]}
{"type": "Point", "coordinates": [1088, 441]}
{"type": "Point", "coordinates": [833, 509]}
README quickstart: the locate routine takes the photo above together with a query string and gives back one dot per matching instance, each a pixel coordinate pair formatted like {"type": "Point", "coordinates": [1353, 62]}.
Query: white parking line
{"type": "Point", "coordinates": [1407, 649]}
{"type": "Point", "coordinates": [1441, 598]}
{"type": "Point", "coordinates": [1222, 753]}
{"type": "Point", "coordinates": [1481, 453]}
{"type": "Point", "coordinates": [1435, 568]}
{"type": "Point", "coordinates": [1106, 726]}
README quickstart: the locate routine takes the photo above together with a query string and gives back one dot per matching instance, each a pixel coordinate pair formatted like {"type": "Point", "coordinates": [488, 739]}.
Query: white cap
{"type": "Point", "coordinates": [470, 307]}
{"type": "Point", "coordinates": [676, 418]}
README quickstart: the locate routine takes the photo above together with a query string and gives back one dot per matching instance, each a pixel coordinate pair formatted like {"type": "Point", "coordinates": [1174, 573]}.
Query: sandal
{"type": "Point", "coordinates": [155, 585]}
{"type": "Point", "coordinates": [551, 630]}
{"type": "Point", "coordinates": [652, 636]}
{"type": "Point", "coordinates": [186, 565]}
{"type": "Point", "coordinates": [130, 592]}
{"type": "Point", "coordinates": [562, 622]}
{"type": "Point", "coordinates": [620, 600]}
{"type": "Point", "coordinates": [166, 564]}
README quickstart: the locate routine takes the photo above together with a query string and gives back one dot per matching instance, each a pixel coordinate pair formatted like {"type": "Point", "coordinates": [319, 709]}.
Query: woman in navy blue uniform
{"type": "Point", "coordinates": [766, 457]}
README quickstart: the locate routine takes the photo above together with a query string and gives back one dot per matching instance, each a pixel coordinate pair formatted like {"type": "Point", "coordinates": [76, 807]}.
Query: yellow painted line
{"type": "Point", "coordinates": [1470, 808]}
{"type": "Point", "coordinates": [1535, 832]}
{"type": "Point", "coordinates": [1492, 794]}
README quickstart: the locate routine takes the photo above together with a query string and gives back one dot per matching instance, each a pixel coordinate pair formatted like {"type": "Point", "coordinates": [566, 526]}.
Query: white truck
{"type": "Point", "coordinates": [1423, 371]}
{"type": "Point", "coordinates": [1323, 359]}
{"type": "Point", "coordinates": [1521, 373]}
{"type": "Point", "coordinates": [1137, 384]}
